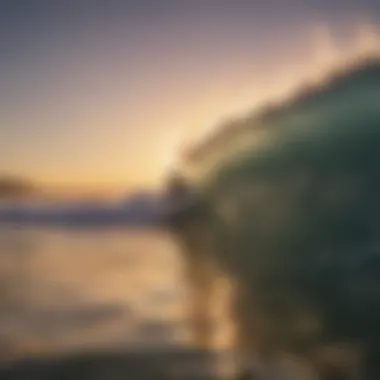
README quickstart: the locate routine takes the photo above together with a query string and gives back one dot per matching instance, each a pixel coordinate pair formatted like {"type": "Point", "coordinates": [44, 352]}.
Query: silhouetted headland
{"type": "Point", "coordinates": [14, 188]}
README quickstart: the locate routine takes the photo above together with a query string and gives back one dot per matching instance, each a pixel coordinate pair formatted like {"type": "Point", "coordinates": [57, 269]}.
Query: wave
{"type": "Point", "coordinates": [295, 188]}
{"type": "Point", "coordinates": [316, 80]}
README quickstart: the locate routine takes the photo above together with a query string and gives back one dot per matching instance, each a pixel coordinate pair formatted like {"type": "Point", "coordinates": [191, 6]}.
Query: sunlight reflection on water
{"type": "Point", "coordinates": [65, 289]}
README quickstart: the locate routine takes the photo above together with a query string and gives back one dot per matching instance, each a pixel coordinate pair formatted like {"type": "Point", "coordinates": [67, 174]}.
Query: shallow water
{"type": "Point", "coordinates": [64, 290]}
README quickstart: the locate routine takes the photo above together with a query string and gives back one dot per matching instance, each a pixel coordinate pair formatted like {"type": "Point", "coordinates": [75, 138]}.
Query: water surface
{"type": "Point", "coordinates": [72, 289]}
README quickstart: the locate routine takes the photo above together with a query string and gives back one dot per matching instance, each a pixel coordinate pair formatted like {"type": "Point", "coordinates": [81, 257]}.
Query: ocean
{"type": "Point", "coordinates": [78, 289]}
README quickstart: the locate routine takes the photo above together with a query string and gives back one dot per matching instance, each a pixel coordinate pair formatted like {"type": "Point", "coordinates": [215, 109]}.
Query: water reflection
{"type": "Point", "coordinates": [69, 289]}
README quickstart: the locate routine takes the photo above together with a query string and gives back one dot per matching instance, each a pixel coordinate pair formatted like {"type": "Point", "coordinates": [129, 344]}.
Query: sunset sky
{"type": "Point", "coordinates": [99, 94]}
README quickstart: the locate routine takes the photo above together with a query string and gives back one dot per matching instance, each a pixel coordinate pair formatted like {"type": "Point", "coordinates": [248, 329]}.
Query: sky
{"type": "Point", "coordinates": [103, 94]}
